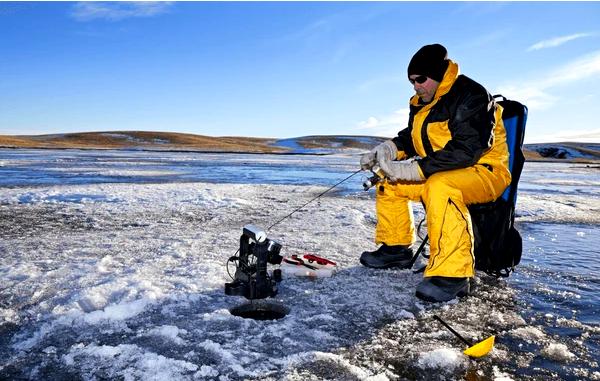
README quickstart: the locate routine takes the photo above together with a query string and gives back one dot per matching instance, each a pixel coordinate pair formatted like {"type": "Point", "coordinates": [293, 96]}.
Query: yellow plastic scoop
{"type": "Point", "coordinates": [479, 349]}
{"type": "Point", "coordinates": [482, 348]}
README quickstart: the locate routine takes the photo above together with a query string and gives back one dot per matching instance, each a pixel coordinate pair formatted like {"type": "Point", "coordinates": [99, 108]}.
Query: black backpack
{"type": "Point", "coordinates": [498, 244]}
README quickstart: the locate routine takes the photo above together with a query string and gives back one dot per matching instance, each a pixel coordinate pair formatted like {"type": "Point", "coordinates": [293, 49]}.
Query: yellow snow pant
{"type": "Point", "coordinates": [445, 196]}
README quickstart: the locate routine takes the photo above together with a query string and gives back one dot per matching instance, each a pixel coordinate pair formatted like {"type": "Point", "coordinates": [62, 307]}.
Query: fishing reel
{"type": "Point", "coordinates": [377, 176]}
{"type": "Point", "coordinates": [251, 279]}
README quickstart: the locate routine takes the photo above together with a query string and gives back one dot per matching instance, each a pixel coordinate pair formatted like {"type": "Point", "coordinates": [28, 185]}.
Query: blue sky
{"type": "Point", "coordinates": [286, 69]}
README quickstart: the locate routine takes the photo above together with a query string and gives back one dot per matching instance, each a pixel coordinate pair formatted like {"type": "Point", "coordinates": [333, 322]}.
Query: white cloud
{"type": "Point", "coordinates": [534, 98]}
{"type": "Point", "coordinates": [535, 92]}
{"type": "Point", "coordinates": [387, 125]}
{"type": "Point", "coordinates": [577, 70]}
{"type": "Point", "coordinates": [114, 11]}
{"type": "Point", "coordinates": [556, 41]}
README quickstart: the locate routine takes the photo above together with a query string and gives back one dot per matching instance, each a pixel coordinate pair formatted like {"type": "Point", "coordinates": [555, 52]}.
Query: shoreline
{"type": "Point", "coordinates": [318, 145]}
{"type": "Point", "coordinates": [279, 153]}
{"type": "Point", "coordinates": [169, 150]}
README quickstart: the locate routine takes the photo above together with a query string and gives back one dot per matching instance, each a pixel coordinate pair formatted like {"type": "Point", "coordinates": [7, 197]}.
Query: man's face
{"type": "Point", "coordinates": [424, 86]}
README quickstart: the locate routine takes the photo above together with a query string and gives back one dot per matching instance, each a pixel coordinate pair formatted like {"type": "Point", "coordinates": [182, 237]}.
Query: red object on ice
{"type": "Point", "coordinates": [311, 259]}
{"type": "Point", "coordinates": [295, 260]}
{"type": "Point", "coordinates": [321, 261]}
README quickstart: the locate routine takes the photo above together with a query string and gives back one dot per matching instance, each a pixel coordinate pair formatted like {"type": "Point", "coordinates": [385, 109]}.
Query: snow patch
{"type": "Point", "coordinates": [129, 362]}
{"type": "Point", "coordinates": [106, 264]}
{"type": "Point", "coordinates": [529, 334]}
{"type": "Point", "coordinates": [446, 359]}
{"type": "Point", "coordinates": [558, 352]}
{"type": "Point", "coordinates": [352, 369]}
{"type": "Point", "coordinates": [19, 272]}
{"type": "Point", "coordinates": [229, 359]}
{"type": "Point", "coordinates": [169, 332]}
{"type": "Point", "coordinates": [297, 360]}
{"type": "Point", "coordinates": [217, 315]}
{"type": "Point", "coordinates": [500, 376]}
{"type": "Point", "coordinates": [8, 315]}
{"type": "Point", "coordinates": [121, 311]}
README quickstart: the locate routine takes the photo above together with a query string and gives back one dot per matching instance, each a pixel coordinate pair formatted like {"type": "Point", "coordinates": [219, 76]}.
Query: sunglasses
{"type": "Point", "coordinates": [420, 80]}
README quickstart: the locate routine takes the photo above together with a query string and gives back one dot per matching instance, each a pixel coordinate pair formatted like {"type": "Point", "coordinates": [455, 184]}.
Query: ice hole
{"type": "Point", "coordinates": [260, 310]}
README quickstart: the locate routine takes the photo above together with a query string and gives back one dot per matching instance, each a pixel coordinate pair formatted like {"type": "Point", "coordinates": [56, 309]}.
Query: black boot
{"type": "Point", "coordinates": [442, 289]}
{"type": "Point", "coordinates": [387, 257]}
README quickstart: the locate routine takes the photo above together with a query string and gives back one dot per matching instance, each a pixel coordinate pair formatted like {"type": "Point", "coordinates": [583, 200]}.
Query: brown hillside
{"type": "Point", "coordinates": [140, 140]}
{"type": "Point", "coordinates": [11, 141]}
{"type": "Point", "coordinates": [531, 155]}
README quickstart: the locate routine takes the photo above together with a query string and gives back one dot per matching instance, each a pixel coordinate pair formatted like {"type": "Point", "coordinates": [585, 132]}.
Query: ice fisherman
{"type": "Point", "coordinates": [453, 153]}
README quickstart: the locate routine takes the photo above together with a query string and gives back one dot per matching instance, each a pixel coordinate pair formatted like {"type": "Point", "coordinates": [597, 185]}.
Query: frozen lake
{"type": "Point", "coordinates": [112, 266]}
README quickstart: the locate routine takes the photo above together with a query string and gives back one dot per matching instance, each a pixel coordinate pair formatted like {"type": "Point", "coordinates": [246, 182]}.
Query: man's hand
{"type": "Point", "coordinates": [368, 161]}
{"type": "Point", "coordinates": [405, 170]}
{"type": "Point", "coordinates": [384, 151]}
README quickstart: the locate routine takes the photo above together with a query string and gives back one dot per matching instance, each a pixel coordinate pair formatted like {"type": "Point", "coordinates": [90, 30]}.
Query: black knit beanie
{"type": "Point", "coordinates": [431, 61]}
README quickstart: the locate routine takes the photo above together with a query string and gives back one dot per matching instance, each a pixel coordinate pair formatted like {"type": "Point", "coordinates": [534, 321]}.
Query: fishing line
{"type": "Point", "coordinates": [347, 178]}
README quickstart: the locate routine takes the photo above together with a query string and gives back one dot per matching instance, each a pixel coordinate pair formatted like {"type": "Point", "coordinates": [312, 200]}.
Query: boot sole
{"type": "Point", "coordinates": [429, 298]}
{"type": "Point", "coordinates": [401, 265]}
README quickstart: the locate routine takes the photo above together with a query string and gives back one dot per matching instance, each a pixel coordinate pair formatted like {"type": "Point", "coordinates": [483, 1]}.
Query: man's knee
{"type": "Point", "coordinates": [438, 185]}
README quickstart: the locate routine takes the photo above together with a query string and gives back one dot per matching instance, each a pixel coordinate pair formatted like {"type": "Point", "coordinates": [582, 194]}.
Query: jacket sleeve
{"type": "Point", "coordinates": [471, 127]}
{"type": "Point", "coordinates": [404, 143]}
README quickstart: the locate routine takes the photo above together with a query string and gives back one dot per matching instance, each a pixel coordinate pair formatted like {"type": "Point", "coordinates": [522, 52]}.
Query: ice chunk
{"type": "Point", "coordinates": [558, 352]}
{"type": "Point", "coordinates": [8, 315]}
{"type": "Point", "coordinates": [500, 376]}
{"type": "Point", "coordinates": [106, 264]}
{"type": "Point", "coordinates": [170, 332]}
{"type": "Point", "coordinates": [441, 358]}
{"type": "Point", "coordinates": [529, 334]}
{"type": "Point", "coordinates": [119, 311]}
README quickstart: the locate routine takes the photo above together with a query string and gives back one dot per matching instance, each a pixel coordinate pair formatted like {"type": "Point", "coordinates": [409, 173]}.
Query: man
{"type": "Point", "coordinates": [453, 153]}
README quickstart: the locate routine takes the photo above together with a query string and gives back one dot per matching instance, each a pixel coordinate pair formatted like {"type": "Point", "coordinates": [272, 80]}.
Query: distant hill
{"type": "Point", "coordinates": [142, 140]}
{"type": "Point", "coordinates": [168, 141]}
{"type": "Point", "coordinates": [316, 144]}
{"type": "Point", "coordinates": [577, 152]}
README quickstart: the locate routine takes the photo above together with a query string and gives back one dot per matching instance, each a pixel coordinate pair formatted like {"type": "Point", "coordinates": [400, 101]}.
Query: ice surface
{"type": "Point", "coordinates": [134, 363]}
{"type": "Point", "coordinates": [124, 280]}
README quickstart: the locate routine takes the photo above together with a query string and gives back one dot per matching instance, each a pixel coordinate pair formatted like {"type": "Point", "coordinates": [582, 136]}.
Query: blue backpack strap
{"type": "Point", "coordinates": [514, 117]}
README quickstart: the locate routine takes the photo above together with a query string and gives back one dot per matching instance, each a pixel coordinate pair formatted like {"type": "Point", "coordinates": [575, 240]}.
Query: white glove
{"type": "Point", "coordinates": [384, 151]}
{"type": "Point", "coordinates": [405, 170]}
